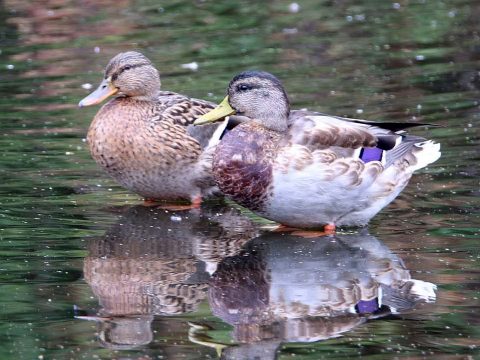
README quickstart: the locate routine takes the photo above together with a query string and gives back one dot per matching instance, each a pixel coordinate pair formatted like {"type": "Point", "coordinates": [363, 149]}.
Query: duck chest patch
{"type": "Point", "coordinates": [242, 166]}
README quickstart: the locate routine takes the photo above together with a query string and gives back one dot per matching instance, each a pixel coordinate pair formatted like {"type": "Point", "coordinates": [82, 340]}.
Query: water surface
{"type": "Point", "coordinates": [87, 272]}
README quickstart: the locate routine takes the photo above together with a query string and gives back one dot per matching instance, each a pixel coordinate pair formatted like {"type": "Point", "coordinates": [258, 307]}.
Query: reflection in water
{"type": "Point", "coordinates": [277, 288]}
{"type": "Point", "coordinates": [282, 288]}
{"type": "Point", "coordinates": [155, 262]}
{"type": "Point", "coordinates": [418, 62]}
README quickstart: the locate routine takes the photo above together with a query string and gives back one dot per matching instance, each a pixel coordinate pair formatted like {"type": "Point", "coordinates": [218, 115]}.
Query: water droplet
{"type": "Point", "coordinates": [191, 66]}
{"type": "Point", "coordinates": [396, 6]}
{"type": "Point", "coordinates": [10, 66]}
{"type": "Point", "coordinates": [87, 86]}
{"type": "Point", "coordinates": [290, 31]}
{"type": "Point", "coordinates": [294, 8]}
{"type": "Point", "coordinates": [360, 17]}
{"type": "Point", "coordinates": [96, 49]}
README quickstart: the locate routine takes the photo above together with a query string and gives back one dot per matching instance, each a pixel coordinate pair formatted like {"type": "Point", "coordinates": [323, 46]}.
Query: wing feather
{"type": "Point", "coordinates": [183, 111]}
{"type": "Point", "coordinates": [318, 131]}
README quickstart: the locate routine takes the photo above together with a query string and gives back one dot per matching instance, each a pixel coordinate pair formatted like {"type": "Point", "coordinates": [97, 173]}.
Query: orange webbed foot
{"type": "Point", "coordinates": [195, 204]}
{"type": "Point", "coordinates": [284, 228]}
{"type": "Point", "coordinates": [328, 229]}
{"type": "Point", "coordinates": [151, 202]}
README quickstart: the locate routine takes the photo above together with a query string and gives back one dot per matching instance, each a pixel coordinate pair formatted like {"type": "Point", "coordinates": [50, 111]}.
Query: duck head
{"type": "Point", "coordinates": [129, 74]}
{"type": "Point", "coordinates": [257, 95]}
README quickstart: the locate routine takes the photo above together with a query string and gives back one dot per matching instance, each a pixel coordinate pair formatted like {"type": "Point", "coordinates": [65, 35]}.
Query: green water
{"type": "Point", "coordinates": [85, 272]}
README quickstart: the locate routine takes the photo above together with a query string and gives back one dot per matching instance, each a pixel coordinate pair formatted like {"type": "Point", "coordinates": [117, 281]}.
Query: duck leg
{"type": "Point", "coordinates": [195, 204]}
{"type": "Point", "coordinates": [328, 229]}
{"type": "Point", "coordinates": [284, 228]}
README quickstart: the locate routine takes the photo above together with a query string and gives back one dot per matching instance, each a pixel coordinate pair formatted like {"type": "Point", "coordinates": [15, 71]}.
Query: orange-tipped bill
{"type": "Point", "coordinates": [222, 110]}
{"type": "Point", "coordinates": [105, 90]}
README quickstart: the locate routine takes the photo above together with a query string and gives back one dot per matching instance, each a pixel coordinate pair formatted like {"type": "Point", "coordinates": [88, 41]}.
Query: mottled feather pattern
{"type": "Point", "coordinates": [295, 156]}
{"type": "Point", "coordinates": [329, 166]}
{"type": "Point", "coordinates": [181, 109]}
{"type": "Point", "coordinates": [146, 144]}
{"type": "Point", "coordinates": [341, 188]}
{"type": "Point", "coordinates": [319, 132]}
{"type": "Point", "coordinates": [242, 168]}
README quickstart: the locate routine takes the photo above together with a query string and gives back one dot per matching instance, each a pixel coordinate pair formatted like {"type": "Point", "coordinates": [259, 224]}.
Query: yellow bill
{"type": "Point", "coordinates": [105, 90]}
{"type": "Point", "coordinates": [222, 110]}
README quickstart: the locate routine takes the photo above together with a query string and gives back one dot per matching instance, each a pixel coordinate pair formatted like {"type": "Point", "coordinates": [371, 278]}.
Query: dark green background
{"type": "Point", "coordinates": [408, 61]}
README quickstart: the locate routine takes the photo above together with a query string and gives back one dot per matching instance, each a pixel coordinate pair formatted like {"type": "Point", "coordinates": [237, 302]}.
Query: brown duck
{"type": "Point", "coordinates": [142, 137]}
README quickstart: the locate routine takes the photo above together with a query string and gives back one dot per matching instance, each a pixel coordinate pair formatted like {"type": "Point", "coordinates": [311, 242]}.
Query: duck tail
{"type": "Point", "coordinates": [427, 152]}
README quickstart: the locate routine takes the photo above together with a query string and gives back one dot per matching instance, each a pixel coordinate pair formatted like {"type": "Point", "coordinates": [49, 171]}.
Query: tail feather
{"type": "Point", "coordinates": [427, 153]}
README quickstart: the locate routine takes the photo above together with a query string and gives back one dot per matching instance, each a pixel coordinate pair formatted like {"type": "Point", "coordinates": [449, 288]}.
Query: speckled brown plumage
{"type": "Point", "coordinates": [140, 137]}
{"type": "Point", "coordinates": [305, 131]}
{"type": "Point", "coordinates": [243, 165]}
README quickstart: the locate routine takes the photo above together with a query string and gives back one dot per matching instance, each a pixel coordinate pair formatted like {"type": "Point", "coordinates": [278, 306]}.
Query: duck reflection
{"type": "Point", "coordinates": [156, 262]}
{"type": "Point", "coordinates": [283, 288]}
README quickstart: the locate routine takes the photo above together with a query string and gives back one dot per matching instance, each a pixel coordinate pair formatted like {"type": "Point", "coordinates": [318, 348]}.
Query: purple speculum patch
{"type": "Point", "coordinates": [371, 154]}
{"type": "Point", "coordinates": [367, 306]}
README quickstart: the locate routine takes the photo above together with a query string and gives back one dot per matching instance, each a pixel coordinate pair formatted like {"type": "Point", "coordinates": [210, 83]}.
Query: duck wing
{"type": "Point", "coordinates": [183, 111]}
{"type": "Point", "coordinates": [318, 131]}
{"type": "Point", "coordinates": [389, 125]}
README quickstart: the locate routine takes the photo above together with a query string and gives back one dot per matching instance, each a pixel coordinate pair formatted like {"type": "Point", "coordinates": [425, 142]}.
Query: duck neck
{"type": "Point", "coordinates": [153, 96]}
{"type": "Point", "coordinates": [274, 119]}
{"type": "Point", "coordinates": [145, 90]}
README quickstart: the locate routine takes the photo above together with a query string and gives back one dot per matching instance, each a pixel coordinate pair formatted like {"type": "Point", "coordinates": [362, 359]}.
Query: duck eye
{"type": "Point", "coordinates": [128, 67]}
{"type": "Point", "coordinates": [244, 87]}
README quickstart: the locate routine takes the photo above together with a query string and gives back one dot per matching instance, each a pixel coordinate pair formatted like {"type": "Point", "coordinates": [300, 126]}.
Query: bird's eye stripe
{"type": "Point", "coordinates": [128, 67]}
{"type": "Point", "coordinates": [244, 87]}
